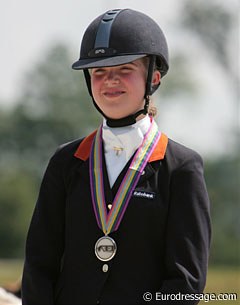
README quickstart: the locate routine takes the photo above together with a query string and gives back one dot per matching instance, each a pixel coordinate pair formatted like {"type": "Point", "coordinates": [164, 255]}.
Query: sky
{"type": "Point", "coordinates": [28, 27]}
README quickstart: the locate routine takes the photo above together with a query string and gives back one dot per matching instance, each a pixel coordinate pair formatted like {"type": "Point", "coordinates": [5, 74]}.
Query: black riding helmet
{"type": "Point", "coordinates": [118, 37]}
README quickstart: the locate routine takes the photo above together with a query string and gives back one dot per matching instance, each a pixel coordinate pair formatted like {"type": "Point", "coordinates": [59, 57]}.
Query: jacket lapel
{"type": "Point", "coordinates": [83, 151]}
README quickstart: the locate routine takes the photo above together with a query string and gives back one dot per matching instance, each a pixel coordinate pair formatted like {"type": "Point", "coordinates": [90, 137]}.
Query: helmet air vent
{"type": "Point", "coordinates": [101, 46]}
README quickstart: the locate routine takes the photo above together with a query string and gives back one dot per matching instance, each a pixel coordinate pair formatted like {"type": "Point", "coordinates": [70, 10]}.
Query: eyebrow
{"type": "Point", "coordinates": [129, 63]}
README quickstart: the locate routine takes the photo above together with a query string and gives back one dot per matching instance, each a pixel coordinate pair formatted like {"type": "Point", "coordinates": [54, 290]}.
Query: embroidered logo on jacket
{"type": "Point", "coordinates": [143, 194]}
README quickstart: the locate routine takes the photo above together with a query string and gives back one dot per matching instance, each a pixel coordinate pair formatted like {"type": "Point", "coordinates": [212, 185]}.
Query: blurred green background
{"type": "Point", "coordinates": [53, 107]}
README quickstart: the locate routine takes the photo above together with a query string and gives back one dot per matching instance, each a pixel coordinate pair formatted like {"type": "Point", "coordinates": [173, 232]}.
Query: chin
{"type": "Point", "coordinates": [115, 116]}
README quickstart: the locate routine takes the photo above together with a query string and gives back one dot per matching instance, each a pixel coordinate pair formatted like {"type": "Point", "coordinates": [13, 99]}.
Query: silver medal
{"type": "Point", "coordinates": [105, 248]}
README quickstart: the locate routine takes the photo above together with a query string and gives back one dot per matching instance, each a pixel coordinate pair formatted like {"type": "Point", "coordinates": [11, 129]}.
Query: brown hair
{"type": "Point", "coordinates": [152, 109]}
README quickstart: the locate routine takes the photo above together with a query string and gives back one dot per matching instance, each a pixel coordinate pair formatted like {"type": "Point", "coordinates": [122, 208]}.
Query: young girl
{"type": "Point", "coordinates": [123, 214]}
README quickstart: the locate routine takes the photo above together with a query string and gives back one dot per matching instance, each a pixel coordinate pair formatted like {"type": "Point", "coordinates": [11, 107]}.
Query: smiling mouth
{"type": "Point", "coordinates": [113, 93]}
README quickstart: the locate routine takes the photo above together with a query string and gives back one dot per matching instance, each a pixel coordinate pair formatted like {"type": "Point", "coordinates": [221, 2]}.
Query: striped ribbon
{"type": "Point", "coordinates": [109, 222]}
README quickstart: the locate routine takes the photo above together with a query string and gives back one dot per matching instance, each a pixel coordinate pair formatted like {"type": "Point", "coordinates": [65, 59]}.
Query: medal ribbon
{"type": "Point", "coordinates": [109, 222]}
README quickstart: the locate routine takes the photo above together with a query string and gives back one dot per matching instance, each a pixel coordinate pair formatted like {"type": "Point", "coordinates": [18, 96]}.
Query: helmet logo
{"type": "Point", "coordinates": [99, 51]}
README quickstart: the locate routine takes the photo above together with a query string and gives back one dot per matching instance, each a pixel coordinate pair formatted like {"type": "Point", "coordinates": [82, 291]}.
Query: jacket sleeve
{"type": "Point", "coordinates": [45, 240]}
{"type": "Point", "coordinates": [188, 233]}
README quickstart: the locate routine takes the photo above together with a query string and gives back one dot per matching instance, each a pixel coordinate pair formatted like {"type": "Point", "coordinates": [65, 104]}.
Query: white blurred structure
{"type": "Point", "coordinates": [7, 298]}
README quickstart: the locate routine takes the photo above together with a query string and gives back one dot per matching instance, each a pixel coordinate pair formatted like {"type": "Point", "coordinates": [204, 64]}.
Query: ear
{"type": "Point", "coordinates": [156, 79]}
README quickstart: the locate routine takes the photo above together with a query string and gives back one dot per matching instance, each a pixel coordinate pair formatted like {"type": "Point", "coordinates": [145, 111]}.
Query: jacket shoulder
{"type": "Point", "coordinates": [66, 150]}
{"type": "Point", "coordinates": [63, 162]}
{"type": "Point", "coordinates": [178, 155]}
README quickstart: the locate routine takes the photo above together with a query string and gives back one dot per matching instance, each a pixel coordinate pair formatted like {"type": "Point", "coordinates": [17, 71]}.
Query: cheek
{"type": "Point", "coordinates": [138, 85]}
{"type": "Point", "coordinates": [138, 79]}
{"type": "Point", "coordinates": [95, 85]}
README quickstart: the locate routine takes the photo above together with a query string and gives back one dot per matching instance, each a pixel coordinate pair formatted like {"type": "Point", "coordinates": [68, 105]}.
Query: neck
{"type": "Point", "coordinates": [143, 120]}
{"type": "Point", "coordinates": [126, 121]}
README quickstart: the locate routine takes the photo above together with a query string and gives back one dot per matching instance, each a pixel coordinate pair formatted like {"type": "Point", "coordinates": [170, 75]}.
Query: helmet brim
{"type": "Point", "coordinates": [105, 61]}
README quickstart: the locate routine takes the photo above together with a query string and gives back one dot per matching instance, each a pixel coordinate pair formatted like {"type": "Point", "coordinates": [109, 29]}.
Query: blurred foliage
{"type": "Point", "coordinates": [18, 191]}
{"type": "Point", "coordinates": [223, 180]}
{"type": "Point", "coordinates": [213, 24]}
{"type": "Point", "coordinates": [176, 85]}
{"type": "Point", "coordinates": [55, 108]}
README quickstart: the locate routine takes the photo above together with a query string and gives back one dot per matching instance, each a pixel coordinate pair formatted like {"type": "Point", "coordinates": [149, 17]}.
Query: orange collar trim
{"type": "Point", "coordinates": [83, 151]}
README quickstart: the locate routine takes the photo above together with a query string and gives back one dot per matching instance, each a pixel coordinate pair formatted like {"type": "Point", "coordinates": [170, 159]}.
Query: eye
{"type": "Point", "coordinates": [126, 69]}
{"type": "Point", "coordinates": [98, 71]}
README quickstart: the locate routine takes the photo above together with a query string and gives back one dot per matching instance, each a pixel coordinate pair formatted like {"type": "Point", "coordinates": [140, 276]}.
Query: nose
{"type": "Point", "coordinates": [111, 77]}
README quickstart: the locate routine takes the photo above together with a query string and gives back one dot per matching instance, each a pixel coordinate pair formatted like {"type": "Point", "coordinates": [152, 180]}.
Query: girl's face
{"type": "Point", "coordinates": [119, 91]}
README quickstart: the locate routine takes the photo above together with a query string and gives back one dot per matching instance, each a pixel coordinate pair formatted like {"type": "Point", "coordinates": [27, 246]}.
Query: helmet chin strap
{"type": "Point", "coordinates": [131, 119]}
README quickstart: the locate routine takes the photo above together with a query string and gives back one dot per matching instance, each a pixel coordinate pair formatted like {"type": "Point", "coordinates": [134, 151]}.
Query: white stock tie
{"type": "Point", "coordinates": [120, 143]}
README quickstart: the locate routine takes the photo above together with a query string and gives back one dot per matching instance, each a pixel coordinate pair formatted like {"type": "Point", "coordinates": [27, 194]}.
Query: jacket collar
{"type": "Point", "coordinates": [83, 150]}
